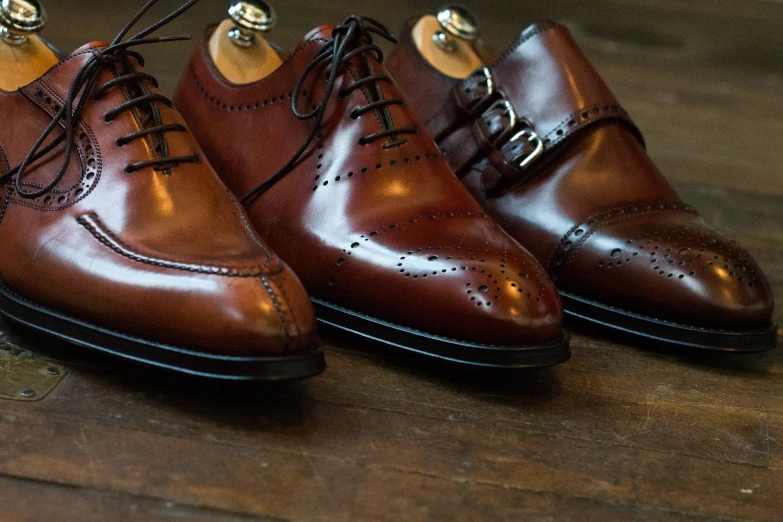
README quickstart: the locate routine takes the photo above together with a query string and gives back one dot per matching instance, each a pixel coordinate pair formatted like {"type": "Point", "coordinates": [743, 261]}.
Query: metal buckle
{"type": "Point", "coordinates": [497, 138]}
{"type": "Point", "coordinates": [530, 136]}
{"type": "Point", "coordinates": [490, 83]}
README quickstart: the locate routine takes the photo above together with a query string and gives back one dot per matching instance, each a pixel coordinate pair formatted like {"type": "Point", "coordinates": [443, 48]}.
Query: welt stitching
{"type": "Point", "coordinates": [120, 247]}
{"type": "Point", "coordinates": [277, 306]}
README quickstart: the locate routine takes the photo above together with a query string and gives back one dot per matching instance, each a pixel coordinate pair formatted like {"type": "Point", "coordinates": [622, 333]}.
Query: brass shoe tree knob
{"type": "Point", "coordinates": [251, 17]}
{"type": "Point", "coordinates": [457, 21]}
{"type": "Point", "coordinates": [20, 19]}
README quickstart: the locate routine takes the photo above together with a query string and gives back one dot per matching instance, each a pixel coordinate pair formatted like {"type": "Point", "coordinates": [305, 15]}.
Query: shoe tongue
{"type": "Point", "coordinates": [90, 46]}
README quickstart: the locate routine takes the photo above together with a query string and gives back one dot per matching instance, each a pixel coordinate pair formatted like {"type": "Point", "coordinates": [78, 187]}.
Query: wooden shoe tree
{"type": "Point", "coordinates": [458, 63]}
{"type": "Point", "coordinates": [22, 64]}
{"type": "Point", "coordinates": [23, 56]}
{"type": "Point", "coordinates": [237, 46]}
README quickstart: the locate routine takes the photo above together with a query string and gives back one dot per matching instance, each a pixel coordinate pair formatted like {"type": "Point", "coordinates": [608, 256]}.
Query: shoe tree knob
{"type": "Point", "coordinates": [238, 47]}
{"type": "Point", "coordinates": [458, 22]}
{"type": "Point", "coordinates": [251, 17]}
{"type": "Point", "coordinates": [24, 56]}
{"type": "Point", "coordinates": [20, 19]}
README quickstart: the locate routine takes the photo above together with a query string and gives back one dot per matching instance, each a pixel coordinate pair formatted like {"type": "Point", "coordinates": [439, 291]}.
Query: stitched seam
{"type": "Point", "coordinates": [219, 104]}
{"type": "Point", "coordinates": [247, 226]}
{"type": "Point", "coordinates": [608, 220]}
{"type": "Point", "coordinates": [4, 161]}
{"type": "Point", "coordinates": [120, 247]}
{"type": "Point", "coordinates": [94, 143]}
{"type": "Point", "coordinates": [6, 200]}
{"type": "Point", "coordinates": [290, 309]}
{"type": "Point", "coordinates": [277, 306]}
{"type": "Point", "coordinates": [361, 170]}
{"type": "Point", "coordinates": [538, 29]}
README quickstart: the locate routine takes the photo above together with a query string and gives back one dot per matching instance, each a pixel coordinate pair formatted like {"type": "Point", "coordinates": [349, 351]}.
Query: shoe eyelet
{"type": "Point", "coordinates": [355, 115]}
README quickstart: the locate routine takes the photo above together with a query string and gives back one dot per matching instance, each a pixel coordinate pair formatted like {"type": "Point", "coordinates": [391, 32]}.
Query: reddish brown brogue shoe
{"type": "Point", "coordinates": [118, 236]}
{"type": "Point", "coordinates": [542, 143]}
{"type": "Point", "coordinates": [338, 175]}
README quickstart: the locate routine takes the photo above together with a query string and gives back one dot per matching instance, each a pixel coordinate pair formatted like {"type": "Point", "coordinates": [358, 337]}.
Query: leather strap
{"type": "Point", "coordinates": [468, 99]}
{"type": "Point", "coordinates": [544, 91]}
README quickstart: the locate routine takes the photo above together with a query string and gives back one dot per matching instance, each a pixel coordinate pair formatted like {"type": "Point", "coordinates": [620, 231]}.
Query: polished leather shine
{"type": "Point", "coordinates": [384, 229]}
{"type": "Point", "coordinates": [165, 256]}
{"type": "Point", "coordinates": [593, 209]}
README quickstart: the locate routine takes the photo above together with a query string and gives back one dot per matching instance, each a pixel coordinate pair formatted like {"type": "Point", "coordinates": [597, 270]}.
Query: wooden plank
{"type": "Point", "coordinates": [298, 477]}
{"type": "Point", "coordinates": [31, 501]}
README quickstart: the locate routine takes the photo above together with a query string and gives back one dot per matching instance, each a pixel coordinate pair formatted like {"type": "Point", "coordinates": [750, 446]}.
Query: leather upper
{"type": "Point", "coordinates": [167, 256]}
{"type": "Point", "coordinates": [384, 229]}
{"type": "Point", "coordinates": [592, 207]}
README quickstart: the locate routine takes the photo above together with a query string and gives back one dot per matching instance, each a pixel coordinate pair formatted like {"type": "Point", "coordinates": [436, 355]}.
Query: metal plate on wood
{"type": "Point", "coordinates": [28, 379]}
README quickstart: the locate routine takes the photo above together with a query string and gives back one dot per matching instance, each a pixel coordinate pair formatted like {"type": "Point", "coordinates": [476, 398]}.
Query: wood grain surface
{"type": "Point", "coordinates": [626, 430]}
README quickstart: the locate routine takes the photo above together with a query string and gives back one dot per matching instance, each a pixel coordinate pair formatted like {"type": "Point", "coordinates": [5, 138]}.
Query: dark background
{"type": "Point", "coordinates": [626, 430]}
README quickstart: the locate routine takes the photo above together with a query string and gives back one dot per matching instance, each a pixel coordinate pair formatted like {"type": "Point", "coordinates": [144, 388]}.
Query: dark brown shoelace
{"type": "Point", "coordinates": [83, 88]}
{"type": "Point", "coordinates": [350, 39]}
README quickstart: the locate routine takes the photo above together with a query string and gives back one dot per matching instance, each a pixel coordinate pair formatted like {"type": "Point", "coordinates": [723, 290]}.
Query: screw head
{"type": "Point", "coordinates": [20, 18]}
{"type": "Point", "coordinates": [459, 21]}
{"type": "Point", "coordinates": [253, 15]}
{"type": "Point", "coordinates": [53, 371]}
{"type": "Point", "coordinates": [28, 394]}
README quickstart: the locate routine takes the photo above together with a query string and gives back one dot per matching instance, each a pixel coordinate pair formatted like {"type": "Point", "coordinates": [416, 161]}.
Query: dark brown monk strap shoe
{"type": "Point", "coordinates": [542, 143]}
{"type": "Point", "coordinates": [337, 173]}
{"type": "Point", "coordinates": [118, 236]}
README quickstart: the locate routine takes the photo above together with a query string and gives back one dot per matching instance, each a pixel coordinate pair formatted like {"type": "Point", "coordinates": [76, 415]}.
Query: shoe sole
{"type": "Point", "coordinates": [528, 356]}
{"type": "Point", "coordinates": [748, 341]}
{"type": "Point", "coordinates": [212, 366]}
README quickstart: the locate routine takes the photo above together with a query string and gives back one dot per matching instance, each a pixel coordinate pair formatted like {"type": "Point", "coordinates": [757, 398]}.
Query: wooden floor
{"type": "Point", "coordinates": [624, 431]}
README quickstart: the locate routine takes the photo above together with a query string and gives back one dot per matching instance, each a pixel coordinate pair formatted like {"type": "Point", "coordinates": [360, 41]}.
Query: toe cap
{"type": "Point", "coordinates": [674, 268]}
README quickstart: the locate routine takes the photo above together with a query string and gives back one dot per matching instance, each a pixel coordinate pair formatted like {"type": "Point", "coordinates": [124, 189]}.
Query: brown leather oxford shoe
{"type": "Point", "coordinates": [119, 236]}
{"type": "Point", "coordinates": [542, 143]}
{"type": "Point", "coordinates": [338, 175]}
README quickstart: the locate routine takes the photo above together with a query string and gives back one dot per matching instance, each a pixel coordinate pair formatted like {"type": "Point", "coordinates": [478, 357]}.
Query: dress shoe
{"type": "Point", "coordinates": [541, 142]}
{"type": "Point", "coordinates": [338, 174]}
{"type": "Point", "coordinates": [120, 237]}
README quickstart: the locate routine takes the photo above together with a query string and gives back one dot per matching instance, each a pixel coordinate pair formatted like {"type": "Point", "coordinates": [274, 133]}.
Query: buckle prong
{"type": "Point", "coordinates": [530, 136]}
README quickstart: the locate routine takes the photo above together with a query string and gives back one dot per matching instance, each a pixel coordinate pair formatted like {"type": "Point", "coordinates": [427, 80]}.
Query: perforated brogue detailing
{"type": "Point", "coordinates": [387, 166]}
{"type": "Point", "coordinates": [488, 275]}
{"type": "Point", "coordinates": [89, 155]}
{"type": "Point", "coordinates": [247, 106]}
{"type": "Point", "coordinates": [570, 244]}
{"type": "Point", "coordinates": [685, 252]}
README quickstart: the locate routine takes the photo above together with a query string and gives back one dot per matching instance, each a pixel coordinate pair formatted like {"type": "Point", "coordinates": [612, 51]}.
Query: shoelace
{"type": "Point", "coordinates": [350, 39]}
{"type": "Point", "coordinates": [81, 90]}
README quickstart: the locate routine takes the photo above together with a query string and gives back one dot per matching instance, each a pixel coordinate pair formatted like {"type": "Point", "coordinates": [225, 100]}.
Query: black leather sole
{"type": "Point", "coordinates": [233, 368]}
{"type": "Point", "coordinates": [532, 356]}
{"type": "Point", "coordinates": [749, 341]}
